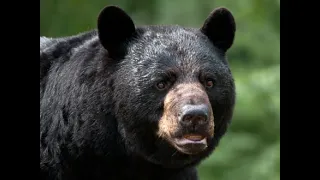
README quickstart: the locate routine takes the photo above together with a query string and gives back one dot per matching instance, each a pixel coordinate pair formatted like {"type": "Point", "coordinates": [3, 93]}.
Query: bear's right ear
{"type": "Point", "coordinates": [114, 27]}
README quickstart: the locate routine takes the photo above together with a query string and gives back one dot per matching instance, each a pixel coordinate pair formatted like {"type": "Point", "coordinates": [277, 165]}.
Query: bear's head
{"type": "Point", "coordinates": [173, 91]}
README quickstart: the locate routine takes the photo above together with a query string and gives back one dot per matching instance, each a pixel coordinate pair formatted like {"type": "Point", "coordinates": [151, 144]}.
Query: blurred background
{"type": "Point", "coordinates": [251, 148]}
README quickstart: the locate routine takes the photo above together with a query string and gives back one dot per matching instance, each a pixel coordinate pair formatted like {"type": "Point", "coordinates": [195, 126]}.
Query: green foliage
{"type": "Point", "coordinates": [251, 148]}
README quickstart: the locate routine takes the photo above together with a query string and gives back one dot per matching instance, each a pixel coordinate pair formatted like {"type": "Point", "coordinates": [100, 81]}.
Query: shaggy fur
{"type": "Point", "coordinates": [101, 115]}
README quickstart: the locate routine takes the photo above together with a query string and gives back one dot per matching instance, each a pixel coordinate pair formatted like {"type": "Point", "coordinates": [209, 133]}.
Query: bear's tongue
{"type": "Point", "coordinates": [193, 137]}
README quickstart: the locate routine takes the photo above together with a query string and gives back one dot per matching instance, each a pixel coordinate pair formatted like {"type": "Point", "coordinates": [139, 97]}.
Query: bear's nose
{"type": "Point", "coordinates": [194, 114]}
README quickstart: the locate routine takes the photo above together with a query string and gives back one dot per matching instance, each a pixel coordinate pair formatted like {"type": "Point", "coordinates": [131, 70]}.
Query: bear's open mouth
{"type": "Point", "coordinates": [193, 137]}
{"type": "Point", "coordinates": [191, 143]}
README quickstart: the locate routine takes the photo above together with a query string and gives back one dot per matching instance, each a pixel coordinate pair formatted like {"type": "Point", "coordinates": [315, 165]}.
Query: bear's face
{"type": "Point", "coordinates": [173, 92]}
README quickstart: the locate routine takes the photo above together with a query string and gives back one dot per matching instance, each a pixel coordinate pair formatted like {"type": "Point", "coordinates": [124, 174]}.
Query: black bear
{"type": "Point", "coordinates": [126, 102]}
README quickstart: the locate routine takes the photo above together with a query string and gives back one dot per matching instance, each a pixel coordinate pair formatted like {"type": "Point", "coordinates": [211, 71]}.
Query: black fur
{"type": "Point", "coordinates": [98, 105]}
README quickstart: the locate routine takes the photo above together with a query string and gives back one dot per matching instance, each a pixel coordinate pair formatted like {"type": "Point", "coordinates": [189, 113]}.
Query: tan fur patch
{"type": "Point", "coordinates": [180, 95]}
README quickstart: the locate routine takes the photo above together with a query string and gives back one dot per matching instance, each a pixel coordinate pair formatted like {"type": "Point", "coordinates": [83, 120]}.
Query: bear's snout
{"type": "Point", "coordinates": [188, 121]}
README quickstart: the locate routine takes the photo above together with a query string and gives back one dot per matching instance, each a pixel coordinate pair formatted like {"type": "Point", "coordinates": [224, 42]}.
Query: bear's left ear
{"type": "Point", "coordinates": [115, 27]}
{"type": "Point", "coordinates": [220, 28]}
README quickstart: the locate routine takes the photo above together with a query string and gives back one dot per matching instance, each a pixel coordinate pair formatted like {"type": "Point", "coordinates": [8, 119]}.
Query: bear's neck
{"type": "Point", "coordinates": [117, 164]}
{"type": "Point", "coordinates": [124, 168]}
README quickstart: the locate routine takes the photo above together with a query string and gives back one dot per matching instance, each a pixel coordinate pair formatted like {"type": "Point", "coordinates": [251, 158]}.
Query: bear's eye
{"type": "Point", "coordinates": [161, 85]}
{"type": "Point", "coordinates": [209, 83]}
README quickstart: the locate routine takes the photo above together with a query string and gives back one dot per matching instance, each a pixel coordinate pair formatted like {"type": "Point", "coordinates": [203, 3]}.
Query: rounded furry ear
{"type": "Point", "coordinates": [220, 28]}
{"type": "Point", "coordinates": [114, 27]}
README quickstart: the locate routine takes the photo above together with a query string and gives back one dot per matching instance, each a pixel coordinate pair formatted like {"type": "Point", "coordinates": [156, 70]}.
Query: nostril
{"type": "Point", "coordinates": [194, 118]}
{"type": "Point", "coordinates": [200, 118]}
{"type": "Point", "coordinates": [187, 118]}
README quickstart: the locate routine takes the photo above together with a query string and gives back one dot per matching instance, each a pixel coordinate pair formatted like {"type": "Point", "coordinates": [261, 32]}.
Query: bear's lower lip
{"type": "Point", "coordinates": [184, 141]}
{"type": "Point", "coordinates": [190, 146]}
